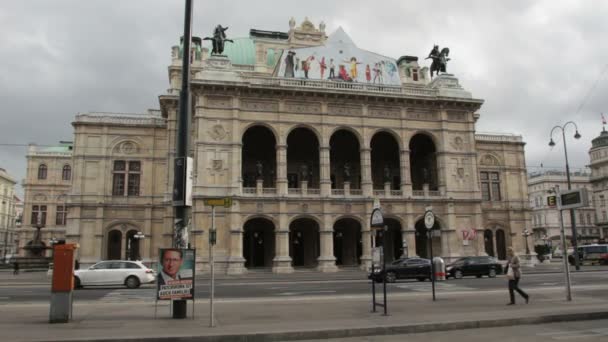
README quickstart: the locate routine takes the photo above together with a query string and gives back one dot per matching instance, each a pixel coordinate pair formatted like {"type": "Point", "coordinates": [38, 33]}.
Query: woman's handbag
{"type": "Point", "coordinates": [510, 274]}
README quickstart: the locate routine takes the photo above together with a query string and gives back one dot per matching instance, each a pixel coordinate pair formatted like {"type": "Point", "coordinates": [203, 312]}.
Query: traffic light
{"type": "Point", "coordinates": [552, 201]}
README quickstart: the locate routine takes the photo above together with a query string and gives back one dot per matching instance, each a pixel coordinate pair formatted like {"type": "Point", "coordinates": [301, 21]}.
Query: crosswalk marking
{"type": "Point", "coordinates": [425, 287]}
{"type": "Point", "coordinates": [574, 334]}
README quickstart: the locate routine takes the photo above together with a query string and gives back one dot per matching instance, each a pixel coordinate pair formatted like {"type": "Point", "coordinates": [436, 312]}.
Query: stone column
{"type": "Point", "coordinates": [366, 172]}
{"type": "Point", "coordinates": [325, 172]}
{"type": "Point", "coordinates": [236, 261]}
{"type": "Point", "coordinates": [387, 189]}
{"type": "Point", "coordinates": [282, 261]}
{"type": "Point", "coordinates": [304, 187]}
{"type": "Point", "coordinates": [366, 235]}
{"type": "Point", "coordinates": [406, 182]}
{"type": "Point", "coordinates": [409, 231]}
{"type": "Point", "coordinates": [281, 170]}
{"type": "Point", "coordinates": [259, 185]}
{"type": "Point", "coordinates": [327, 260]}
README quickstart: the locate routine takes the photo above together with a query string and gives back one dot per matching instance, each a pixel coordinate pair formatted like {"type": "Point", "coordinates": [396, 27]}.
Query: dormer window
{"type": "Point", "coordinates": [415, 74]}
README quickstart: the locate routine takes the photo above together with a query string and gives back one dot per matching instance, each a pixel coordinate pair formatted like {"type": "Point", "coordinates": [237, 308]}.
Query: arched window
{"type": "Point", "coordinates": [66, 173]}
{"type": "Point", "coordinates": [42, 171]}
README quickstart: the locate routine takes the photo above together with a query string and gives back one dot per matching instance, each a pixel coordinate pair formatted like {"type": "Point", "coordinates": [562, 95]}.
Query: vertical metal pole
{"type": "Point", "coordinates": [432, 264]}
{"type": "Point", "coordinates": [565, 257]}
{"type": "Point", "coordinates": [373, 233]}
{"type": "Point", "coordinates": [384, 245]}
{"type": "Point", "coordinates": [572, 216]}
{"type": "Point", "coordinates": [212, 290]}
{"type": "Point", "coordinates": [180, 306]}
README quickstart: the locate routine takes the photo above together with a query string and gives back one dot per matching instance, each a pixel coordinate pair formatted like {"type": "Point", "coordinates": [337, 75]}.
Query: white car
{"type": "Point", "coordinates": [115, 272]}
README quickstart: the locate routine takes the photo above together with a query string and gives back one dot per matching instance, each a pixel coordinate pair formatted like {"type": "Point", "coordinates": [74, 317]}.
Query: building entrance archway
{"type": "Point", "coordinates": [501, 244]}
{"type": "Point", "coordinates": [347, 242]}
{"type": "Point", "coordinates": [394, 247]}
{"type": "Point", "coordinates": [114, 244]}
{"type": "Point", "coordinates": [258, 243]}
{"type": "Point", "coordinates": [422, 240]}
{"type": "Point", "coordinates": [304, 241]}
{"type": "Point", "coordinates": [488, 239]}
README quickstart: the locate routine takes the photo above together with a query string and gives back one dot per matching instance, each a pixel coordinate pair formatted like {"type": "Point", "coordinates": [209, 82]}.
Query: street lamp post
{"type": "Point", "coordinates": [525, 234]}
{"type": "Point", "coordinates": [572, 220]}
{"type": "Point", "coordinates": [139, 237]}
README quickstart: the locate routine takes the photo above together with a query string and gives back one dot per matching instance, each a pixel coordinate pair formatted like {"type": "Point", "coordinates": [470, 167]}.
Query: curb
{"type": "Point", "coordinates": [366, 331]}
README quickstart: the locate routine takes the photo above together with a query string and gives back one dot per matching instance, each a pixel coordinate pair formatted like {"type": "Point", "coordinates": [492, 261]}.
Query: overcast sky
{"type": "Point", "coordinates": [533, 62]}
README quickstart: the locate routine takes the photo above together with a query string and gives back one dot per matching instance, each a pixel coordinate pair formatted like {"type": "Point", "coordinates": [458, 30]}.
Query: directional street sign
{"type": "Point", "coordinates": [218, 202]}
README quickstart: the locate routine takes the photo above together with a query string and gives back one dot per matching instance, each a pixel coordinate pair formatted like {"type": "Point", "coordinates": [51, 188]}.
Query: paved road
{"type": "Point", "coordinates": [28, 292]}
{"type": "Point", "coordinates": [582, 331]}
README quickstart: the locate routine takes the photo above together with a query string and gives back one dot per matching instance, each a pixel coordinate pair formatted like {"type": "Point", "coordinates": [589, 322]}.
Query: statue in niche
{"type": "Point", "coordinates": [440, 59]}
{"type": "Point", "coordinates": [304, 172]}
{"type": "Point", "coordinates": [259, 168]}
{"type": "Point", "coordinates": [387, 174]}
{"type": "Point", "coordinates": [347, 173]}
{"type": "Point", "coordinates": [425, 175]}
{"type": "Point", "coordinates": [218, 40]}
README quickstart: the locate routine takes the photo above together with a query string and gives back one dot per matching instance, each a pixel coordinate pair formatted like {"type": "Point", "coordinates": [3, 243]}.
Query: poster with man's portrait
{"type": "Point", "coordinates": [175, 274]}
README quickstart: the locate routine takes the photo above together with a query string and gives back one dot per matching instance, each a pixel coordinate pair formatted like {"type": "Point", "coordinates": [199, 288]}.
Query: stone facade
{"type": "Point", "coordinates": [304, 160]}
{"type": "Point", "coordinates": [46, 187]}
{"type": "Point", "coordinates": [8, 214]}
{"type": "Point", "coordinates": [545, 220]}
{"type": "Point", "coordinates": [599, 180]}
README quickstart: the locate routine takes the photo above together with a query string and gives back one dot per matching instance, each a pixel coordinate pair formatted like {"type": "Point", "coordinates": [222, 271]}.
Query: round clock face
{"type": "Point", "coordinates": [429, 220]}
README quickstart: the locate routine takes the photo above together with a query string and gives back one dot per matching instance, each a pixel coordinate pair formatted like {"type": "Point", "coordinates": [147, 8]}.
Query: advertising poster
{"type": "Point", "coordinates": [339, 60]}
{"type": "Point", "coordinates": [175, 274]}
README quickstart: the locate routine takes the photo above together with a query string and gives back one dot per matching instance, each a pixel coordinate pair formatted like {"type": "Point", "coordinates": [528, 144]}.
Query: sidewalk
{"type": "Point", "coordinates": [282, 319]}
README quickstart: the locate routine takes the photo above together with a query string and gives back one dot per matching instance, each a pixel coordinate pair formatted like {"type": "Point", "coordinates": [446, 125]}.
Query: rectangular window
{"type": "Point", "coordinates": [490, 186]}
{"type": "Point", "coordinates": [38, 215]}
{"type": "Point", "coordinates": [126, 178]}
{"type": "Point", "coordinates": [485, 191]}
{"type": "Point", "coordinates": [61, 215]}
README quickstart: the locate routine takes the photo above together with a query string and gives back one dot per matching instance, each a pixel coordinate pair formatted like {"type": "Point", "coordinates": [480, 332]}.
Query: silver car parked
{"type": "Point", "coordinates": [115, 272]}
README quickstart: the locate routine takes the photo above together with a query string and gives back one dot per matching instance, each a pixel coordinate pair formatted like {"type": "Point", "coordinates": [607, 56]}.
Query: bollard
{"type": "Point", "coordinates": [439, 268]}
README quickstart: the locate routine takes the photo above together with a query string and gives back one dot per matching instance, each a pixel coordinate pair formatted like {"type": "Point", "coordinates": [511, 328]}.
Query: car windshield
{"type": "Point", "coordinates": [459, 262]}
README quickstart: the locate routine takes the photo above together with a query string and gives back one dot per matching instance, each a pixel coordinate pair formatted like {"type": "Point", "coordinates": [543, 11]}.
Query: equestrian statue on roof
{"type": "Point", "coordinates": [440, 59]}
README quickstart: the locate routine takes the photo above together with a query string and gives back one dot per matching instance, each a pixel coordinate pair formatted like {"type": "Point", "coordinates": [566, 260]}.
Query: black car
{"type": "Point", "coordinates": [404, 268]}
{"type": "Point", "coordinates": [474, 266]}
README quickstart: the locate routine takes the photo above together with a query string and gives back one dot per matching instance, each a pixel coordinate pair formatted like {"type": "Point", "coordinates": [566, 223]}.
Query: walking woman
{"type": "Point", "coordinates": [514, 274]}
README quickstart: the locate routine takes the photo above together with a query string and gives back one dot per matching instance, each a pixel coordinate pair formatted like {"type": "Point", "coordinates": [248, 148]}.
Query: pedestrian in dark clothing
{"type": "Point", "coordinates": [76, 265]}
{"type": "Point", "coordinates": [15, 268]}
{"type": "Point", "coordinates": [514, 274]}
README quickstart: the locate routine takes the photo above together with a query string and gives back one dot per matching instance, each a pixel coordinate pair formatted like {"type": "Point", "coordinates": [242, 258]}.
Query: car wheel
{"type": "Point", "coordinates": [421, 278]}
{"type": "Point", "coordinates": [458, 274]}
{"type": "Point", "coordinates": [479, 276]}
{"type": "Point", "coordinates": [391, 277]}
{"type": "Point", "coordinates": [77, 284]}
{"type": "Point", "coordinates": [132, 282]}
{"type": "Point", "coordinates": [492, 273]}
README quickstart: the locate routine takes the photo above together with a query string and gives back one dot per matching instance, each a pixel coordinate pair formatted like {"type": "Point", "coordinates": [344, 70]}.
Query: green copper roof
{"type": "Point", "coordinates": [242, 51]}
{"type": "Point", "coordinates": [64, 146]}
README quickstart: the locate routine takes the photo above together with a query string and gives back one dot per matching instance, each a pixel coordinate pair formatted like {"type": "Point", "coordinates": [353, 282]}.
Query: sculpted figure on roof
{"type": "Point", "coordinates": [218, 40]}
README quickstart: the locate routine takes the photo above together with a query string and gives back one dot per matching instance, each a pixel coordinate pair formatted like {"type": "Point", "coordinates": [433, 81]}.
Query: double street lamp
{"type": "Point", "coordinates": [572, 221]}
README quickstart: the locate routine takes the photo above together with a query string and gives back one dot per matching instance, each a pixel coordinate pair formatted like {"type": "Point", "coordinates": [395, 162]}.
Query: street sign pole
{"type": "Point", "coordinates": [565, 256]}
{"type": "Point", "coordinates": [212, 238]}
{"type": "Point", "coordinates": [563, 238]}
{"type": "Point", "coordinates": [429, 222]}
{"type": "Point", "coordinates": [384, 244]}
